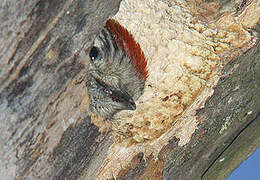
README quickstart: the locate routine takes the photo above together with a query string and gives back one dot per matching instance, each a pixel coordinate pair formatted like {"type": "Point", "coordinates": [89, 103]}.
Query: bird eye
{"type": "Point", "coordinates": [94, 54]}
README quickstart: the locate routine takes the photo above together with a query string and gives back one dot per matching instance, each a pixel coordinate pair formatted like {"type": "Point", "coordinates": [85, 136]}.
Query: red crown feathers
{"type": "Point", "coordinates": [126, 42]}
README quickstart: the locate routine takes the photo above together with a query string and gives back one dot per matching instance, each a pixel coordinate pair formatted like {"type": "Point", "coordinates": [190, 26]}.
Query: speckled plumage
{"type": "Point", "coordinates": [117, 71]}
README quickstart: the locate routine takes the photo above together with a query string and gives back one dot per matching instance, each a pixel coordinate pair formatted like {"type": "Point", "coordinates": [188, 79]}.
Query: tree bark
{"type": "Point", "coordinates": [46, 130]}
{"type": "Point", "coordinates": [230, 109]}
{"type": "Point", "coordinates": [41, 42]}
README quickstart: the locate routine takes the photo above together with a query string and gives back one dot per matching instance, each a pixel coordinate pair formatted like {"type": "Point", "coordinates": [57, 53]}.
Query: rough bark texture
{"type": "Point", "coordinates": [45, 133]}
{"type": "Point", "coordinates": [233, 106]}
{"type": "Point", "coordinates": [41, 42]}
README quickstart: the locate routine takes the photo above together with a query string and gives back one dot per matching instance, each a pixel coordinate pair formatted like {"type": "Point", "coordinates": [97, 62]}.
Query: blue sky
{"type": "Point", "coordinates": [249, 169]}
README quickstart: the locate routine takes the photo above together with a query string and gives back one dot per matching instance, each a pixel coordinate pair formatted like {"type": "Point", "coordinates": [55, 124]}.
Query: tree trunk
{"type": "Point", "coordinates": [199, 113]}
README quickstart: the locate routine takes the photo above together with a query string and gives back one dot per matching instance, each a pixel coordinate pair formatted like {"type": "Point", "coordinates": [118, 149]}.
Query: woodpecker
{"type": "Point", "coordinates": [117, 71]}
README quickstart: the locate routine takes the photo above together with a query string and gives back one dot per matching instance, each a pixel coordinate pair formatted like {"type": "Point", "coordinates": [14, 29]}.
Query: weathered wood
{"type": "Point", "coordinates": [234, 104]}
{"type": "Point", "coordinates": [45, 127]}
{"type": "Point", "coordinates": [42, 50]}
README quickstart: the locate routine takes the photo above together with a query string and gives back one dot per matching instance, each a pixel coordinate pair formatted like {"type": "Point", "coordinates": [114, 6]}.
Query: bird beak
{"type": "Point", "coordinates": [122, 97]}
{"type": "Point", "coordinates": [118, 95]}
{"type": "Point", "coordinates": [130, 104]}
